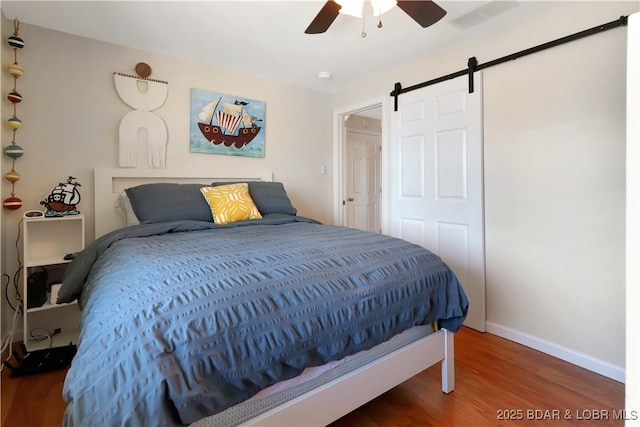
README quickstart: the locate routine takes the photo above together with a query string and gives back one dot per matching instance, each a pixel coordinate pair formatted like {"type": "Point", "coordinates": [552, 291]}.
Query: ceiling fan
{"type": "Point", "coordinates": [424, 12]}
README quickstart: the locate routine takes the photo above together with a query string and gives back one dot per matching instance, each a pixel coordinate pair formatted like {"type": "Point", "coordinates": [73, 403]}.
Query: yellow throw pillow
{"type": "Point", "coordinates": [230, 203]}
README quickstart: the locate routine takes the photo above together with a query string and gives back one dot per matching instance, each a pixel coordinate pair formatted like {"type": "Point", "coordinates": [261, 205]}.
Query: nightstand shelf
{"type": "Point", "coordinates": [45, 260]}
{"type": "Point", "coordinates": [46, 241]}
{"type": "Point", "coordinates": [48, 306]}
{"type": "Point", "coordinates": [58, 340]}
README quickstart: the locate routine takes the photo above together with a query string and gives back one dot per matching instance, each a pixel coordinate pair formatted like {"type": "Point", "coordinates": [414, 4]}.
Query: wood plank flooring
{"type": "Point", "coordinates": [494, 377]}
{"type": "Point", "coordinates": [32, 401]}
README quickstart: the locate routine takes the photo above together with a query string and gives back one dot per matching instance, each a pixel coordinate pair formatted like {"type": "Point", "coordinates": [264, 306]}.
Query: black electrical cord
{"type": "Point", "coordinates": [19, 308]}
{"type": "Point", "coordinates": [6, 290]}
{"type": "Point", "coordinates": [16, 277]}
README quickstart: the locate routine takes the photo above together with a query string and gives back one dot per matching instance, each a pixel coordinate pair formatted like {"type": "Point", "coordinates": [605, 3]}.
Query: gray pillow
{"type": "Point", "coordinates": [164, 202]}
{"type": "Point", "coordinates": [269, 197]}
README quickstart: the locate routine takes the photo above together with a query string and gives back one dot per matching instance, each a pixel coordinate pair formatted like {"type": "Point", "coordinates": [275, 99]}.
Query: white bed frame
{"type": "Point", "coordinates": [336, 398]}
{"type": "Point", "coordinates": [341, 396]}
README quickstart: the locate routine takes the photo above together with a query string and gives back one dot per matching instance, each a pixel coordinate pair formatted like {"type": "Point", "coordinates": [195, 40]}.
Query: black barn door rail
{"type": "Point", "coordinates": [473, 66]}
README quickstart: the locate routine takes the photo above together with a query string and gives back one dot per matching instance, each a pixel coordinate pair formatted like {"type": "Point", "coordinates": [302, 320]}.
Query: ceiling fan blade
{"type": "Point", "coordinates": [324, 18]}
{"type": "Point", "coordinates": [424, 13]}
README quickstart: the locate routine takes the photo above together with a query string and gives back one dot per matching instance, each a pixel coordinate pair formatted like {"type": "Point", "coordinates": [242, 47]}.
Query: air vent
{"type": "Point", "coordinates": [482, 13]}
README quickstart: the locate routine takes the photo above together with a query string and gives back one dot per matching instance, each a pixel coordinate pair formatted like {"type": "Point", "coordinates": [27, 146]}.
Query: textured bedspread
{"type": "Point", "coordinates": [192, 318]}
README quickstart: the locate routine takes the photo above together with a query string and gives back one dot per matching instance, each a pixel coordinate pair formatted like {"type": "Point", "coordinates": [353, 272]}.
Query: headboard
{"type": "Point", "coordinates": [109, 182]}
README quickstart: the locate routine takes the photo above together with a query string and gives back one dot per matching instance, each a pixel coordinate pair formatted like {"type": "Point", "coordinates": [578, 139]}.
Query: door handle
{"type": "Point", "coordinates": [350, 199]}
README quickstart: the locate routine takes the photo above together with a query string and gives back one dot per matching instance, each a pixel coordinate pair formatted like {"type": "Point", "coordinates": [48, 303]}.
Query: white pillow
{"type": "Point", "coordinates": [125, 209]}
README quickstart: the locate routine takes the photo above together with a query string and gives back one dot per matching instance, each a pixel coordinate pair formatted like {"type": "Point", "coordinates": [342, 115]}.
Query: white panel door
{"type": "Point", "coordinates": [436, 190]}
{"type": "Point", "coordinates": [363, 181]}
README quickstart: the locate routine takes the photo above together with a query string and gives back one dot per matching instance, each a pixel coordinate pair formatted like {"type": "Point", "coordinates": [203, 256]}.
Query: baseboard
{"type": "Point", "coordinates": [568, 355]}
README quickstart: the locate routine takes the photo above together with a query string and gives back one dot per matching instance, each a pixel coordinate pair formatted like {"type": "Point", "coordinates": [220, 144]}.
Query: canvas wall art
{"type": "Point", "coordinates": [226, 124]}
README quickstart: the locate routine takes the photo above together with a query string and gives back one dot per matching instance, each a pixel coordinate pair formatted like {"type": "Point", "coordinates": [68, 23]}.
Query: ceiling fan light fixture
{"type": "Point", "coordinates": [424, 12]}
{"type": "Point", "coordinates": [381, 7]}
{"type": "Point", "coordinates": [351, 7]}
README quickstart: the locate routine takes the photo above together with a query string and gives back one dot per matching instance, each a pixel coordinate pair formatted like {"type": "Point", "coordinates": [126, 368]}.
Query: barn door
{"type": "Point", "coordinates": [436, 181]}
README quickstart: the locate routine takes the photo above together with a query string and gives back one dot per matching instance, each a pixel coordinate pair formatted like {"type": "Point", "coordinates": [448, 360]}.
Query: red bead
{"type": "Point", "coordinates": [12, 203]}
{"type": "Point", "coordinates": [14, 97]}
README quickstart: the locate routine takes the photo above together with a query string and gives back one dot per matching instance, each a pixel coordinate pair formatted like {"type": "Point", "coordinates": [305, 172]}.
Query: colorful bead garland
{"type": "Point", "coordinates": [14, 151]}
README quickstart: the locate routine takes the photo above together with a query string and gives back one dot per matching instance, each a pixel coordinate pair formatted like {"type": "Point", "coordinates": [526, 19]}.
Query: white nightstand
{"type": "Point", "coordinates": [46, 241]}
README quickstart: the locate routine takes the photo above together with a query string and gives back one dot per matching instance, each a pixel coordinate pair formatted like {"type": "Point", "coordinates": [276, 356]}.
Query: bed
{"type": "Point", "coordinates": [271, 319]}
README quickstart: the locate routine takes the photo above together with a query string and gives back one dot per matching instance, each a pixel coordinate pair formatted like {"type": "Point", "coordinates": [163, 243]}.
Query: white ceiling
{"type": "Point", "coordinates": [264, 38]}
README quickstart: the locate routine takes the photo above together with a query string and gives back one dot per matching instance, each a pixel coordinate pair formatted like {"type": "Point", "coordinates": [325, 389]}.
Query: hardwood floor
{"type": "Point", "coordinates": [494, 377]}
{"type": "Point", "coordinates": [32, 401]}
{"type": "Point", "coordinates": [497, 378]}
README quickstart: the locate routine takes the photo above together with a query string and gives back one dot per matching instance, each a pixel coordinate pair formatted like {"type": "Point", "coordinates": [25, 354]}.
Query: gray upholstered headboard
{"type": "Point", "coordinates": [109, 183]}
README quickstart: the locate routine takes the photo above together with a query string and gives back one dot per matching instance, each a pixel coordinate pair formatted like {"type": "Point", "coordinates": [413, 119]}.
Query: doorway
{"type": "Point", "coordinates": [359, 172]}
{"type": "Point", "coordinates": [362, 170]}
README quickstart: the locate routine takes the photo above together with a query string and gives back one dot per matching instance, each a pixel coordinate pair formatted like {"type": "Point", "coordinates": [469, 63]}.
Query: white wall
{"type": "Point", "coordinates": [554, 138]}
{"type": "Point", "coordinates": [71, 113]}
{"type": "Point", "coordinates": [632, 385]}
{"type": "Point", "coordinates": [555, 170]}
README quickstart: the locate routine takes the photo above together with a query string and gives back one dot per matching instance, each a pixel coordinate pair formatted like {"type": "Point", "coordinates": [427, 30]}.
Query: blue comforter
{"type": "Point", "coordinates": [182, 320]}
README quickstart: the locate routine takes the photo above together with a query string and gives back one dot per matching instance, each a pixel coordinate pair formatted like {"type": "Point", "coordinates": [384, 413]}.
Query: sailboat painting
{"type": "Point", "coordinates": [226, 124]}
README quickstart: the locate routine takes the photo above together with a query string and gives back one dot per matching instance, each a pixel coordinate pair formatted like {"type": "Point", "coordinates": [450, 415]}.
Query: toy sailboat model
{"type": "Point", "coordinates": [222, 125]}
{"type": "Point", "coordinates": [63, 199]}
